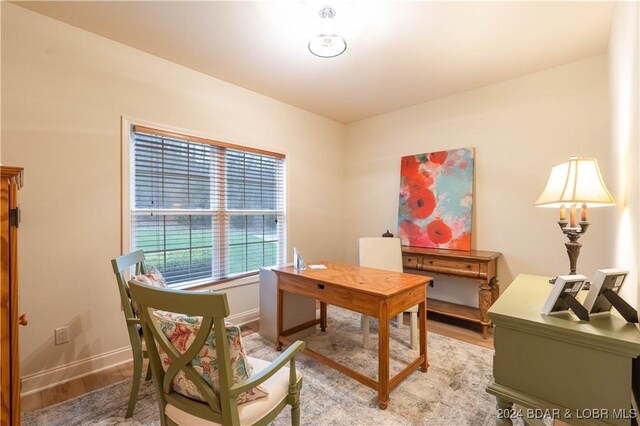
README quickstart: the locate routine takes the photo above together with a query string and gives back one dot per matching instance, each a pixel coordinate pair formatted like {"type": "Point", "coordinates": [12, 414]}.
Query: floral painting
{"type": "Point", "coordinates": [436, 193]}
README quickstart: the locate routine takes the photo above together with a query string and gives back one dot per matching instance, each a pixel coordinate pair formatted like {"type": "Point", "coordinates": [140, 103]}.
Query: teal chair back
{"type": "Point", "coordinates": [121, 267]}
{"type": "Point", "coordinates": [217, 406]}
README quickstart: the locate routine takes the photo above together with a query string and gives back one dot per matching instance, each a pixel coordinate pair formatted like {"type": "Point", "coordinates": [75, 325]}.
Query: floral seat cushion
{"type": "Point", "coordinates": [152, 277]}
{"type": "Point", "coordinates": [181, 331]}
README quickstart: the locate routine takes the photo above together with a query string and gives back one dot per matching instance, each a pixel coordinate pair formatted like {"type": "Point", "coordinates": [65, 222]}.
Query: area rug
{"type": "Point", "coordinates": [452, 392]}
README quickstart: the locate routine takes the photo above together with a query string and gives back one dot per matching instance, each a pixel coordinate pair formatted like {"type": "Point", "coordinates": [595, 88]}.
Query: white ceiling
{"type": "Point", "coordinates": [399, 53]}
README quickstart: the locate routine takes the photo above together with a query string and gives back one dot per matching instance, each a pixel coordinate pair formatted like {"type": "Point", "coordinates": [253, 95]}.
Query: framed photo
{"type": "Point", "coordinates": [298, 261]}
{"type": "Point", "coordinates": [606, 279]}
{"type": "Point", "coordinates": [563, 294]}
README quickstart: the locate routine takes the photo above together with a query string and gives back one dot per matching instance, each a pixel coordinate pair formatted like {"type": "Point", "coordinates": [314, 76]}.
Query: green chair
{"type": "Point", "coordinates": [121, 266]}
{"type": "Point", "coordinates": [218, 406]}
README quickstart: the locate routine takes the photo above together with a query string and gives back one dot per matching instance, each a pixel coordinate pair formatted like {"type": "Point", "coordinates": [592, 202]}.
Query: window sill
{"type": "Point", "coordinates": [251, 278]}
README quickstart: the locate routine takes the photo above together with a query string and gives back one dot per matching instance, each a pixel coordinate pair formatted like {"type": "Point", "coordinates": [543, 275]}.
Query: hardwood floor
{"type": "Point", "coordinates": [450, 327]}
{"type": "Point", "coordinates": [457, 329]}
{"type": "Point", "coordinates": [77, 387]}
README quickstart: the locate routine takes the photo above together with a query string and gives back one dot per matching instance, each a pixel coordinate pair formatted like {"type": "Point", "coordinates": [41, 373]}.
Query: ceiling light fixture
{"type": "Point", "coordinates": [327, 45]}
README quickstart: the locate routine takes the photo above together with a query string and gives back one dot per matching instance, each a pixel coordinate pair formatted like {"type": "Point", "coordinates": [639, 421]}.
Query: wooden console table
{"type": "Point", "coordinates": [481, 266]}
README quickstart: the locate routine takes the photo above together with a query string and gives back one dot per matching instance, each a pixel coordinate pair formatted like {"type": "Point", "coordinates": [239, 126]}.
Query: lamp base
{"type": "Point", "coordinates": [573, 250]}
{"type": "Point", "coordinates": [573, 246]}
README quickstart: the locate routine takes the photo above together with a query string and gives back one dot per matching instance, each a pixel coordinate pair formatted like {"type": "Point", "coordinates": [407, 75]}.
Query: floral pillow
{"type": "Point", "coordinates": [181, 331]}
{"type": "Point", "coordinates": [152, 277]}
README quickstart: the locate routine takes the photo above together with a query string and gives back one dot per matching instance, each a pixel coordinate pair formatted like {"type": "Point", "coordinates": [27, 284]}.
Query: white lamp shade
{"type": "Point", "coordinates": [577, 181]}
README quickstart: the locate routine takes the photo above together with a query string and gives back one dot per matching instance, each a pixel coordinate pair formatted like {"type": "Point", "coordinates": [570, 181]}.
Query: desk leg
{"type": "Point", "coordinates": [484, 303]}
{"type": "Point", "coordinates": [365, 332]}
{"type": "Point", "coordinates": [279, 319]}
{"type": "Point", "coordinates": [422, 318]}
{"type": "Point", "coordinates": [495, 290]}
{"type": "Point", "coordinates": [383, 356]}
{"type": "Point", "coordinates": [323, 316]}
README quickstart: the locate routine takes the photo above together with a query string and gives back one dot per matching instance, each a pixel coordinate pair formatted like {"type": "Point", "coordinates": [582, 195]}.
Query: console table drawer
{"type": "Point", "coordinates": [412, 262]}
{"type": "Point", "coordinates": [445, 266]}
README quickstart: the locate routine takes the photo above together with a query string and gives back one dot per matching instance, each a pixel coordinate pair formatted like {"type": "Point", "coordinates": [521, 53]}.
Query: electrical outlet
{"type": "Point", "coordinates": [62, 335]}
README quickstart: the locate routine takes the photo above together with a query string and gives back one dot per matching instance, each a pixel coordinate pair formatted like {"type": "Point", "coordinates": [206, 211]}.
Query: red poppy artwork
{"type": "Point", "coordinates": [436, 195]}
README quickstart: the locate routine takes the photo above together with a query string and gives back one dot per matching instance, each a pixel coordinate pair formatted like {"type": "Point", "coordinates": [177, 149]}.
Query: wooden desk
{"type": "Point", "coordinates": [373, 292]}
{"type": "Point", "coordinates": [481, 266]}
{"type": "Point", "coordinates": [581, 369]}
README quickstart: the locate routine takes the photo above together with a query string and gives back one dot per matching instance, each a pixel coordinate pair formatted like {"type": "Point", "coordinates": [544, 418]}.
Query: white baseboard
{"type": "Point", "coordinates": [52, 377]}
{"type": "Point", "coordinates": [244, 317]}
{"type": "Point", "coordinates": [74, 370]}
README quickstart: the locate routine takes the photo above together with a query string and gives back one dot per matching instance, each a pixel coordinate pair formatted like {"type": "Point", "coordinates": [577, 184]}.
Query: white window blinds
{"type": "Point", "coordinates": [205, 210]}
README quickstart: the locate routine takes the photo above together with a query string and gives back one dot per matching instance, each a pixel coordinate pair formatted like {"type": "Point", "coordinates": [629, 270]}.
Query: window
{"type": "Point", "coordinates": [205, 210]}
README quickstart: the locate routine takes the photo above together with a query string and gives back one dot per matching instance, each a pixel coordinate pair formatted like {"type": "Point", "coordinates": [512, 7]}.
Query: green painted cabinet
{"type": "Point", "coordinates": [558, 366]}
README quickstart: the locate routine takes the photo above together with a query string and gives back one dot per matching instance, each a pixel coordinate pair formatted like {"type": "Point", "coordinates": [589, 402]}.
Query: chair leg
{"type": "Point", "coordinates": [365, 332]}
{"type": "Point", "coordinates": [148, 376]}
{"type": "Point", "coordinates": [165, 421]}
{"type": "Point", "coordinates": [414, 330]}
{"type": "Point", "coordinates": [135, 385]}
{"type": "Point", "coordinates": [294, 395]}
{"type": "Point", "coordinates": [295, 414]}
{"type": "Point", "coordinates": [399, 319]}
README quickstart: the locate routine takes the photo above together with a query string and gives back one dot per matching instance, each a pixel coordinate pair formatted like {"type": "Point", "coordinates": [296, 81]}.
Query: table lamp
{"type": "Point", "coordinates": [572, 183]}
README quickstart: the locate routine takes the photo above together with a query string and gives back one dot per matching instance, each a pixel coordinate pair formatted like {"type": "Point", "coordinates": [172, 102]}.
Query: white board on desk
{"type": "Point", "coordinates": [605, 279]}
{"type": "Point", "coordinates": [565, 285]}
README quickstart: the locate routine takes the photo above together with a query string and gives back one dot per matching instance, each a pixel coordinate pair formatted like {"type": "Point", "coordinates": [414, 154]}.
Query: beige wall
{"type": "Point", "coordinates": [624, 83]}
{"type": "Point", "coordinates": [520, 129]}
{"type": "Point", "coordinates": [64, 92]}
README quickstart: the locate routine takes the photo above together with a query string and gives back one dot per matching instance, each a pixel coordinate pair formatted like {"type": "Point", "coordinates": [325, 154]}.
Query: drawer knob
{"type": "Point", "coordinates": [23, 320]}
{"type": "Point", "coordinates": [320, 286]}
{"type": "Point", "coordinates": [468, 266]}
